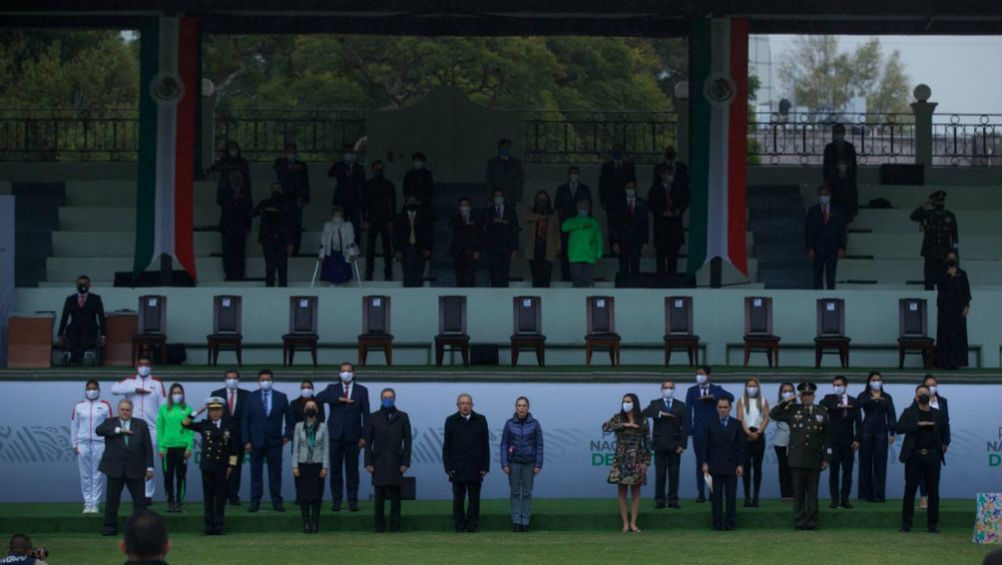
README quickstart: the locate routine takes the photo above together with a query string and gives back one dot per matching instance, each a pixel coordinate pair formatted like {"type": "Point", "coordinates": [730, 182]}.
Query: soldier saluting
{"type": "Point", "coordinates": [219, 457]}
{"type": "Point", "coordinates": [939, 228]}
{"type": "Point", "coordinates": [808, 451]}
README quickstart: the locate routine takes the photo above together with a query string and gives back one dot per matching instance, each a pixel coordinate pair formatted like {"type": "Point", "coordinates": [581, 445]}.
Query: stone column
{"type": "Point", "coordinates": [207, 128]}
{"type": "Point", "coordinates": [682, 121]}
{"type": "Point", "coordinates": [923, 111]}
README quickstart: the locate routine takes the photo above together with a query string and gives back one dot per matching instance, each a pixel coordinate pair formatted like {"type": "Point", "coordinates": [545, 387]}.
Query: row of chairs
{"type": "Point", "coordinates": [527, 328]}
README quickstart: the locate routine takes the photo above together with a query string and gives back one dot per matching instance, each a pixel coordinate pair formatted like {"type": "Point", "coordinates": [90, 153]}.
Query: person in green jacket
{"type": "Point", "coordinates": [175, 446]}
{"type": "Point", "coordinates": [584, 244]}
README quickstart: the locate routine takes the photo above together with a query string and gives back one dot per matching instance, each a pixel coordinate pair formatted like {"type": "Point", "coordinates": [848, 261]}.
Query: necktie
{"type": "Point", "coordinates": [631, 206]}
{"type": "Point", "coordinates": [668, 405]}
{"type": "Point", "coordinates": [824, 214]}
{"type": "Point", "coordinates": [346, 393]}
{"type": "Point", "coordinates": [230, 401]}
{"type": "Point", "coordinates": [267, 404]}
{"type": "Point", "coordinates": [81, 299]}
{"type": "Point", "coordinates": [723, 422]}
{"type": "Point", "coordinates": [704, 392]}
{"type": "Point", "coordinates": [498, 211]}
{"type": "Point", "coordinates": [125, 426]}
{"type": "Point", "coordinates": [412, 238]}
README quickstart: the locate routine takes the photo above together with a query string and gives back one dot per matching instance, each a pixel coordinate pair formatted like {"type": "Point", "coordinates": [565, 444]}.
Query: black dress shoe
{"type": "Point", "coordinates": [170, 506]}
{"type": "Point", "coordinates": [747, 503]}
{"type": "Point", "coordinates": [336, 508]}
{"type": "Point", "coordinates": [353, 507]}
{"type": "Point", "coordinates": [278, 506]}
{"type": "Point", "coordinates": [810, 528]}
{"type": "Point", "coordinates": [934, 529]}
{"type": "Point", "coordinates": [729, 528]}
{"type": "Point", "coordinates": [905, 528]}
{"type": "Point", "coordinates": [254, 507]}
{"type": "Point", "coordinates": [460, 529]}
{"type": "Point", "coordinates": [208, 532]}
{"type": "Point", "coordinates": [149, 501]}
{"type": "Point", "coordinates": [378, 530]}
{"type": "Point", "coordinates": [846, 505]}
{"type": "Point", "coordinates": [833, 505]}
{"type": "Point", "coordinates": [659, 505]}
{"type": "Point", "coordinates": [235, 502]}
{"type": "Point", "coordinates": [525, 528]}
{"type": "Point", "coordinates": [701, 499]}
{"type": "Point", "coordinates": [109, 532]}
{"type": "Point", "coordinates": [516, 527]}
{"type": "Point", "coordinates": [674, 506]}
{"type": "Point", "coordinates": [472, 529]}
{"type": "Point", "coordinates": [718, 528]}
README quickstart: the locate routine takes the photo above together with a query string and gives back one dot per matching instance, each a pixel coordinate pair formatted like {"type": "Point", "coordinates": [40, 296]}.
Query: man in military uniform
{"type": "Point", "coordinates": [807, 451]}
{"type": "Point", "coordinates": [939, 229]}
{"type": "Point", "coordinates": [219, 457]}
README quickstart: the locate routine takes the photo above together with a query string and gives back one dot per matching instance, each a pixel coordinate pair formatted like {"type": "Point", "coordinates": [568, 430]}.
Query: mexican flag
{"type": "Point", "coordinates": [169, 89]}
{"type": "Point", "coordinates": [718, 130]}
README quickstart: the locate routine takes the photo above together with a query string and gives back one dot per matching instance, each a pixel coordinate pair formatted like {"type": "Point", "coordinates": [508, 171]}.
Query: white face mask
{"type": "Point", "coordinates": [668, 393]}
{"type": "Point", "coordinates": [627, 407]}
{"type": "Point", "coordinates": [824, 199]}
{"type": "Point", "coordinates": [701, 379]}
{"type": "Point", "coordinates": [144, 371]}
{"type": "Point", "coordinates": [232, 383]}
{"type": "Point", "coordinates": [92, 394]}
{"type": "Point", "coordinates": [752, 391]}
{"type": "Point", "coordinates": [464, 211]}
{"type": "Point", "coordinates": [574, 178]}
{"type": "Point", "coordinates": [348, 157]}
{"type": "Point", "coordinates": [630, 193]}
{"type": "Point", "coordinates": [338, 219]}
{"type": "Point", "coordinates": [346, 376]}
{"type": "Point", "coordinates": [306, 393]}
{"type": "Point", "coordinates": [499, 200]}
{"type": "Point", "coordinates": [932, 390]}
{"type": "Point", "coordinates": [788, 395]}
{"type": "Point", "coordinates": [177, 398]}
{"type": "Point", "coordinates": [265, 385]}
{"type": "Point", "coordinates": [839, 390]}
{"type": "Point", "coordinates": [876, 385]}
{"type": "Point", "coordinates": [290, 156]}
{"type": "Point", "coordinates": [418, 165]}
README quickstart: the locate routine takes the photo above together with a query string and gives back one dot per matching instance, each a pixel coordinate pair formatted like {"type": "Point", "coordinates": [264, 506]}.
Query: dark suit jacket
{"type": "Point", "coordinates": [379, 201]}
{"type": "Point", "coordinates": [668, 231]}
{"type": "Point", "coordinates": [507, 175]}
{"type": "Point", "coordinates": [670, 432]}
{"type": "Point", "coordinates": [612, 181]}
{"type": "Point", "coordinates": [824, 239]}
{"type": "Point", "coordinates": [294, 178]}
{"type": "Point", "coordinates": [278, 220]}
{"type": "Point", "coordinates": [235, 209]}
{"type": "Point", "coordinates": [388, 446]}
{"type": "Point", "coordinates": [466, 237]}
{"type": "Point", "coordinates": [835, 152]}
{"type": "Point", "coordinates": [908, 425]}
{"type": "Point", "coordinates": [698, 411]}
{"type": "Point", "coordinates": [424, 230]}
{"type": "Point", "coordinates": [234, 423]}
{"type": "Point", "coordinates": [723, 449]}
{"type": "Point", "coordinates": [465, 448]}
{"type": "Point", "coordinates": [567, 205]}
{"type": "Point", "coordinates": [89, 318]}
{"type": "Point", "coordinates": [944, 408]}
{"type": "Point", "coordinates": [261, 430]}
{"type": "Point", "coordinates": [348, 190]}
{"type": "Point", "coordinates": [844, 424]}
{"type": "Point", "coordinates": [346, 420]}
{"type": "Point", "coordinates": [681, 173]}
{"type": "Point", "coordinates": [125, 462]}
{"type": "Point", "coordinates": [421, 184]}
{"type": "Point", "coordinates": [630, 231]}
{"type": "Point", "coordinates": [877, 416]}
{"type": "Point", "coordinates": [500, 237]}
{"type": "Point", "coordinates": [299, 410]}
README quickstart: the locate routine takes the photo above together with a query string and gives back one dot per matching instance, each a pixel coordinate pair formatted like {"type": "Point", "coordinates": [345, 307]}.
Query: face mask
{"type": "Point", "coordinates": [378, 172]}
{"type": "Point", "coordinates": [932, 390]}
{"type": "Point", "coordinates": [83, 289]}
{"type": "Point", "coordinates": [276, 194]}
{"type": "Point", "coordinates": [630, 193]}
{"type": "Point", "coordinates": [418, 165]}
{"type": "Point", "coordinates": [788, 395]}
{"type": "Point", "coordinates": [875, 385]}
{"type": "Point", "coordinates": [348, 157]}
{"type": "Point", "coordinates": [627, 407]}
{"type": "Point", "coordinates": [839, 389]}
{"type": "Point", "coordinates": [951, 262]}
{"type": "Point", "coordinates": [939, 206]}
{"type": "Point", "coordinates": [701, 379]}
{"type": "Point", "coordinates": [583, 212]}
{"type": "Point", "coordinates": [667, 180]}
{"type": "Point", "coordinates": [541, 203]}
{"type": "Point", "coordinates": [232, 383]}
{"type": "Point", "coordinates": [842, 167]}
{"type": "Point", "coordinates": [177, 398]}
{"type": "Point", "coordinates": [752, 391]}
{"type": "Point", "coordinates": [839, 137]}
{"type": "Point", "coordinates": [92, 394]}
{"type": "Point", "coordinates": [265, 385]}
{"type": "Point", "coordinates": [923, 399]}
{"type": "Point", "coordinates": [465, 211]}
{"type": "Point", "coordinates": [306, 393]}
{"type": "Point", "coordinates": [290, 156]}
{"type": "Point", "coordinates": [346, 376]}
{"type": "Point", "coordinates": [668, 393]}
{"type": "Point", "coordinates": [412, 207]}
{"type": "Point", "coordinates": [504, 152]}
{"type": "Point", "coordinates": [338, 219]}
{"type": "Point", "coordinates": [311, 412]}
{"type": "Point", "coordinates": [387, 403]}
{"type": "Point", "coordinates": [824, 199]}
{"type": "Point", "coordinates": [233, 152]}
{"type": "Point", "coordinates": [499, 200]}
{"type": "Point", "coordinates": [144, 371]}
{"type": "Point", "coordinates": [574, 178]}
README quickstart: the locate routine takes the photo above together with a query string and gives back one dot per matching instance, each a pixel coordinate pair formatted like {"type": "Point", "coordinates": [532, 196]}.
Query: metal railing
{"type": "Point", "coordinates": [319, 134]}
{"type": "Point", "coordinates": [588, 137]}
{"type": "Point", "coordinates": [800, 139]}
{"type": "Point", "coordinates": [969, 140]}
{"type": "Point", "coordinates": [69, 135]}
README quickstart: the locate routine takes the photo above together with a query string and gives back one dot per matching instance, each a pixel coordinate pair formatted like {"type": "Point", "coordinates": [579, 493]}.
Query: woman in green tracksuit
{"type": "Point", "coordinates": [584, 244]}
{"type": "Point", "coordinates": [175, 445]}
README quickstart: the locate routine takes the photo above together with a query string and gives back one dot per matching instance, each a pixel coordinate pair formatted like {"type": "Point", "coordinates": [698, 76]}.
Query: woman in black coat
{"type": "Point", "coordinates": [953, 302]}
{"type": "Point", "coordinates": [387, 457]}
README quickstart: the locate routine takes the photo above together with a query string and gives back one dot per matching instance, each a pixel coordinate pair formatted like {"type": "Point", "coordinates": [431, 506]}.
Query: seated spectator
{"type": "Point", "coordinates": [379, 204]}
{"type": "Point", "coordinates": [20, 551]}
{"type": "Point", "coordinates": [629, 230]}
{"type": "Point", "coordinates": [465, 245]}
{"type": "Point", "coordinates": [584, 244]}
{"type": "Point", "coordinates": [82, 325]}
{"type": "Point", "coordinates": [294, 177]}
{"type": "Point", "coordinates": [337, 249]}
{"type": "Point", "coordinates": [500, 226]}
{"type": "Point", "coordinates": [275, 234]}
{"type": "Point", "coordinates": [235, 211]}
{"type": "Point", "coordinates": [505, 172]}
{"type": "Point", "coordinates": [543, 239]}
{"type": "Point", "coordinates": [412, 240]}
{"type": "Point", "coordinates": [145, 541]}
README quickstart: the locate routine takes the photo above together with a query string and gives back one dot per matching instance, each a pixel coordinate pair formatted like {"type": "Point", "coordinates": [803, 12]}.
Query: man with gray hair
{"type": "Point", "coordinates": [467, 460]}
{"type": "Point", "coordinates": [127, 462]}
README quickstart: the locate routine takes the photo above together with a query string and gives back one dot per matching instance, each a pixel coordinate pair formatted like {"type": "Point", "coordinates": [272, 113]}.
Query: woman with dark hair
{"type": "Point", "coordinates": [633, 455]}
{"type": "Point", "coordinates": [879, 420]}
{"type": "Point", "coordinates": [753, 413]}
{"type": "Point", "coordinates": [175, 446]}
{"type": "Point", "coordinates": [953, 302]}
{"type": "Point", "coordinates": [780, 441]}
{"type": "Point", "coordinates": [310, 463]}
{"type": "Point", "coordinates": [542, 239]}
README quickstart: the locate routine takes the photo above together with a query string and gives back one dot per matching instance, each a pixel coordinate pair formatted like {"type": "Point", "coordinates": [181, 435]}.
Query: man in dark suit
{"type": "Point", "coordinates": [923, 453]}
{"type": "Point", "coordinates": [127, 462]}
{"type": "Point", "coordinates": [723, 449]}
{"type": "Point", "coordinates": [412, 240]}
{"type": "Point", "coordinates": [629, 229]}
{"type": "Point", "coordinates": [667, 201]}
{"type": "Point", "coordinates": [82, 325]}
{"type": "Point", "coordinates": [838, 171]}
{"type": "Point", "coordinates": [505, 172]}
{"type": "Point", "coordinates": [419, 183]}
{"type": "Point", "coordinates": [700, 406]}
{"type": "Point", "coordinates": [467, 235]}
{"type": "Point", "coordinates": [379, 204]}
{"type": "Point", "coordinates": [612, 179]}
{"type": "Point", "coordinates": [566, 204]}
{"type": "Point", "coordinates": [671, 437]}
{"type": "Point", "coordinates": [824, 236]}
{"type": "Point", "coordinates": [467, 459]}
{"type": "Point", "coordinates": [845, 421]}
{"type": "Point", "coordinates": [294, 177]}
{"type": "Point", "coordinates": [680, 170]}
{"type": "Point", "coordinates": [500, 225]}
{"type": "Point", "coordinates": [233, 414]}
{"type": "Point", "coordinates": [807, 451]}
{"type": "Point", "coordinates": [346, 420]}
{"type": "Point", "coordinates": [349, 176]}
{"type": "Point", "coordinates": [387, 457]}
{"type": "Point", "coordinates": [236, 209]}
{"type": "Point", "coordinates": [263, 434]}
{"type": "Point", "coordinates": [276, 233]}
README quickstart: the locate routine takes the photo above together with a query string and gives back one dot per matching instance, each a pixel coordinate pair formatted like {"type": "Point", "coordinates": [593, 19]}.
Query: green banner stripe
{"type": "Point", "coordinates": [149, 46]}
{"type": "Point", "coordinates": [699, 142]}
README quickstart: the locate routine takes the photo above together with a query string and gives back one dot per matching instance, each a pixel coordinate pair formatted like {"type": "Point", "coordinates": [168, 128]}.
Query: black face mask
{"type": "Point", "coordinates": [311, 412]}
{"type": "Point", "coordinates": [412, 207]}
{"type": "Point", "coordinates": [378, 172]}
{"type": "Point", "coordinates": [923, 399]}
{"type": "Point", "coordinates": [82, 288]}
{"type": "Point", "coordinates": [939, 207]}
{"type": "Point", "coordinates": [951, 262]}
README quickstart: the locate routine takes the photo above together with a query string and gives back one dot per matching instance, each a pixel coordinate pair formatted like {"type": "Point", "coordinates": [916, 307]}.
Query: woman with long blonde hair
{"type": "Point", "coordinates": [753, 413]}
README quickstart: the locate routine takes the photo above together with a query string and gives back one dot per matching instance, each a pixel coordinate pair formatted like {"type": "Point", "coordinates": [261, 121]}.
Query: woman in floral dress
{"type": "Point", "coordinates": [633, 455]}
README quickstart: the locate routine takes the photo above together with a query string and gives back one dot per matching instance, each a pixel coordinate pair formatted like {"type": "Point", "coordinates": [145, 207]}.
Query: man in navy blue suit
{"type": "Point", "coordinates": [723, 449]}
{"type": "Point", "coordinates": [262, 421]}
{"type": "Point", "coordinates": [346, 420]}
{"type": "Point", "coordinates": [700, 406]}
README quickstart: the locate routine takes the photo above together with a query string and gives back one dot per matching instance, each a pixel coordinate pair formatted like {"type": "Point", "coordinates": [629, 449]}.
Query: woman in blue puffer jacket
{"type": "Point", "coordinates": [521, 460]}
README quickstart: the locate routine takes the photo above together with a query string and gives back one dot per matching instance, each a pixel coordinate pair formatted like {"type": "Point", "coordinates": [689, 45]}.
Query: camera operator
{"type": "Point", "coordinates": [21, 551]}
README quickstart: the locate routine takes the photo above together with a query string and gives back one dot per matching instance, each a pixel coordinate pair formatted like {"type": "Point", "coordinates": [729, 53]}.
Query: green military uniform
{"type": "Point", "coordinates": [939, 228]}
{"type": "Point", "coordinates": [219, 456]}
{"type": "Point", "coordinates": [807, 453]}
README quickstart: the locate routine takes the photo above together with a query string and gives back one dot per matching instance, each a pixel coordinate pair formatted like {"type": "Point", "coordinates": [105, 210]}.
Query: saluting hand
{"type": "Point", "coordinates": [370, 469]}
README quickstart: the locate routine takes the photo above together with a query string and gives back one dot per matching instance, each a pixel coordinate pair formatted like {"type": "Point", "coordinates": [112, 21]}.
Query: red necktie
{"type": "Point", "coordinates": [824, 214]}
{"type": "Point", "coordinates": [81, 300]}
{"type": "Point", "coordinates": [230, 401]}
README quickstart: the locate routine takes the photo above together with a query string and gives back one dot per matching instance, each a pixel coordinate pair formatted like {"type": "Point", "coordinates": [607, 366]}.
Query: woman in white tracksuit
{"type": "Point", "coordinates": [88, 446]}
{"type": "Point", "coordinates": [147, 393]}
